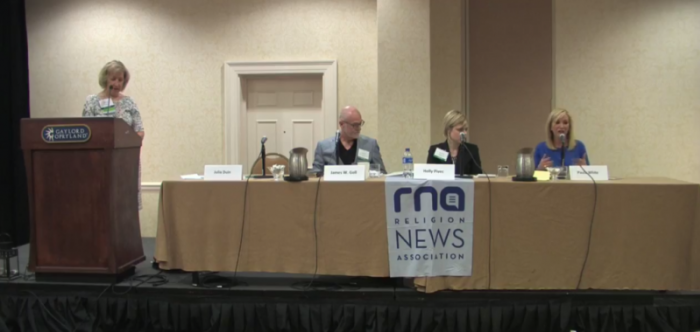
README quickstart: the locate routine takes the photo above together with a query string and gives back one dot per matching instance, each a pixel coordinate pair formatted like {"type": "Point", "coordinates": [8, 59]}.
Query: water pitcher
{"type": "Point", "coordinates": [298, 165]}
{"type": "Point", "coordinates": [524, 166]}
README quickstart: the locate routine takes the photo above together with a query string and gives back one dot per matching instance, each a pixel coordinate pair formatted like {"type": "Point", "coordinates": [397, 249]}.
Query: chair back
{"type": "Point", "coordinates": [270, 159]}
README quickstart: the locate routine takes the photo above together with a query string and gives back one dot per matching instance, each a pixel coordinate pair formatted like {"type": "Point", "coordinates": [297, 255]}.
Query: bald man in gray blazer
{"type": "Point", "coordinates": [352, 148]}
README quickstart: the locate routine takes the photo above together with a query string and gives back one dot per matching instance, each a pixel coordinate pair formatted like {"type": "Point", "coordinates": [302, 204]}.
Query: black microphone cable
{"type": "Point", "coordinates": [302, 285]}
{"type": "Point", "coordinates": [240, 241]}
{"type": "Point", "coordinates": [590, 227]}
{"type": "Point", "coordinates": [488, 178]}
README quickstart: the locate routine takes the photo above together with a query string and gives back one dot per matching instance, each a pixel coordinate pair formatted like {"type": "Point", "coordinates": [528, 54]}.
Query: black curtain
{"type": "Point", "coordinates": [14, 105]}
{"type": "Point", "coordinates": [34, 313]}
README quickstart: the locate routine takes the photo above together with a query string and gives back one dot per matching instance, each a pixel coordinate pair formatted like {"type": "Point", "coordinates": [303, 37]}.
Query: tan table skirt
{"type": "Point", "coordinates": [644, 234]}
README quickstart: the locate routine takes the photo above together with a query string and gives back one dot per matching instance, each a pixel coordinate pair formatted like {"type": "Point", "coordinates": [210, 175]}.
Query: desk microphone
{"type": "Point", "coordinates": [562, 138]}
{"type": "Point", "coordinates": [463, 143]}
{"type": "Point", "coordinates": [337, 146]}
{"type": "Point", "coordinates": [262, 154]}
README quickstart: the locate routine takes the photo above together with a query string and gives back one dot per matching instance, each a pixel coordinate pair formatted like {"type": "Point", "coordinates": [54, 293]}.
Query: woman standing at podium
{"type": "Point", "coordinates": [111, 102]}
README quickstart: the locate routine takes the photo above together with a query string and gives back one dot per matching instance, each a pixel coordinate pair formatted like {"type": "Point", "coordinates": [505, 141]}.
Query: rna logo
{"type": "Point", "coordinates": [450, 198]}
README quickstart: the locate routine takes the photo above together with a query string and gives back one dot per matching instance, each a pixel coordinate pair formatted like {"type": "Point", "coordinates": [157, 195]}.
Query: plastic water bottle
{"type": "Point", "coordinates": [408, 164]}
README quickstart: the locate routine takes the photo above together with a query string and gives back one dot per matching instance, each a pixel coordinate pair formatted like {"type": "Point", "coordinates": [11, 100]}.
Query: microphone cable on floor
{"type": "Point", "coordinates": [159, 280]}
{"type": "Point", "coordinates": [213, 280]}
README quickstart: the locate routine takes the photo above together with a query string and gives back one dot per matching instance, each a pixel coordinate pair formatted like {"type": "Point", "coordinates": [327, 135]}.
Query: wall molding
{"type": "Point", "coordinates": [150, 186]}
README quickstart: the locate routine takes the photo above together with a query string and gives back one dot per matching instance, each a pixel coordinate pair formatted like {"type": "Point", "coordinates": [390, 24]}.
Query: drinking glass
{"type": "Point", "coordinates": [375, 171]}
{"type": "Point", "coordinates": [554, 172]}
{"type": "Point", "coordinates": [278, 172]}
{"type": "Point", "coordinates": [503, 171]}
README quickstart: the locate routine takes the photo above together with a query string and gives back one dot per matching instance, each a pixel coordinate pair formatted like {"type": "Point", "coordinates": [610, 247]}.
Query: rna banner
{"type": "Point", "coordinates": [430, 227]}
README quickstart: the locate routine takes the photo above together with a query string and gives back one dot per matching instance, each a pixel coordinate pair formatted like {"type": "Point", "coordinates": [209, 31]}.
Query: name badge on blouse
{"type": "Point", "coordinates": [363, 154]}
{"type": "Point", "coordinates": [107, 106]}
{"type": "Point", "coordinates": [441, 154]}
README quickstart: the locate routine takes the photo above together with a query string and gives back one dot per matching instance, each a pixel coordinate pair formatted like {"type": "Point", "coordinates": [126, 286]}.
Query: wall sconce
{"type": "Point", "coordinates": [7, 252]}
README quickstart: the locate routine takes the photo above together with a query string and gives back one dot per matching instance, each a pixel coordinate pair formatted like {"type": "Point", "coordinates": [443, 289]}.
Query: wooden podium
{"type": "Point", "coordinates": [82, 176]}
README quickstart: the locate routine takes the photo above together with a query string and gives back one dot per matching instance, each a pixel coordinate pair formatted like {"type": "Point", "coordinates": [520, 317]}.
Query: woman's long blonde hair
{"type": "Point", "coordinates": [556, 113]}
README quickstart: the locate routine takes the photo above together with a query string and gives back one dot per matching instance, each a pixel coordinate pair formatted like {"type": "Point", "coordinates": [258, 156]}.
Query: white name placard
{"type": "Point", "coordinates": [434, 171]}
{"type": "Point", "coordinates": [223, 172]}
{"type": "Point", "coordinates": [366, 165]}
{"type": "Point", "coordinates": [344, 173]}
{"type": "Point", "coordinates": [598, 173]}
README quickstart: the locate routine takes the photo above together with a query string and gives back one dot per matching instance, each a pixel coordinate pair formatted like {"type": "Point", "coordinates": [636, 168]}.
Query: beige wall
{"type": "Point", "coordinates": [175, 51]}
{"type": "Point", "coordinates": [446, 63]}
{"type": "Point", "coordinates": [404, 79]}
{"type": "Point", "coordinates": [628, 69]}
{"type": "Point", "coordinates": [630, 73]}
{"type": "Point", "coordinates": [510, 77]}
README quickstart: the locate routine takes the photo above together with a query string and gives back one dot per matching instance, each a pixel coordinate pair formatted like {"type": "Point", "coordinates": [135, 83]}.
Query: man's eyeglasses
{"type": "Point", "coordinates": [356, 125]}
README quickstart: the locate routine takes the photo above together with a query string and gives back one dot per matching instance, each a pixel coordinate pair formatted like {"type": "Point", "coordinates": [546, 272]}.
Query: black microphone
{"type": "Point", "coordinates": [462, 140]}
{"type": "Point", "coordinates": [262, 154]}
{"type": "Point", "coordinates": [337, 146]}
{"type": "Point", "coordinates": [562, 138]}
{"type": "Point", "coordinates": [109, 99]}
{"type": "Point", "coordinates": [463, 143]}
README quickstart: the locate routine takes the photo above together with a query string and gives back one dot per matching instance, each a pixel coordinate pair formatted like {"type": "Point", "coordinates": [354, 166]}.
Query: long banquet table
{"type": "Point", "coordinates": [644, 235]}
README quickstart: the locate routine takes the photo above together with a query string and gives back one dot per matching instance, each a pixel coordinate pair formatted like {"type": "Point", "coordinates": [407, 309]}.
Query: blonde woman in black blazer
{"type": "Point", "coordinates": [464, 156]}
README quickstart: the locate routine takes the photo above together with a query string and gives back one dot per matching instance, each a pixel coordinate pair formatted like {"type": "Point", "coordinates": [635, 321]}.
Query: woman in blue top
{"type": "Point", "coordinates": [548, 153]}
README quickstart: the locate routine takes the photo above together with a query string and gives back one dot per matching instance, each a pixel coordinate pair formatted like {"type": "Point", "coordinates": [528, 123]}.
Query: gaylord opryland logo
{"type": "Point", "coordinates": [78, 133]}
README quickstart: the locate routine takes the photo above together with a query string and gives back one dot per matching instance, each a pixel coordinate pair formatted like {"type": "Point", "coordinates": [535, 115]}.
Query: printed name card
{"type": "Point", "coordinates": [598, 173]}
{"type": "Point", "coordinates": [434, 171]}
{"type": "Point", "coordinates": [223, 172]}
{"type": "Point", "coordinates": [344, 173]}
{"type": "Point", "coordinates": [366, 165]}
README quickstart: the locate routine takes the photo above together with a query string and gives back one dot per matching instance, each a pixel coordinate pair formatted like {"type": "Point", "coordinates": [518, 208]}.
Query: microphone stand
{"type": "Point", "coordinates": [264, 173]}
{"type": "Point", "coordinates": [562, 174]}
{"type": "Point", "coordinates": [337, 148]}
{"type": "Point", "coordinates": [459, 162]}
{"type": "Point", "coordinates": [263, 160]}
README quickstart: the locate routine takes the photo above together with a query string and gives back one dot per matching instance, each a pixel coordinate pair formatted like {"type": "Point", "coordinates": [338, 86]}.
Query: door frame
{"type": "Point", "coordinates": [235, 106]}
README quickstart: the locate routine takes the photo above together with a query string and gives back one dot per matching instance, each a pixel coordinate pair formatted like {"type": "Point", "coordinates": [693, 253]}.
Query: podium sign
{"type": "Point", "coordinates": [66, 133]}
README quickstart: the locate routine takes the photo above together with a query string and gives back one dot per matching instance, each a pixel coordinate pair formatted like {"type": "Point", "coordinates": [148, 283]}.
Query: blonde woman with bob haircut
{"type": "Point", "coordinates": [549, 152]}
{"type": "Point", "coordinates": [111, 102]}
{"type": "Point", "coordinates": [464, 156]}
